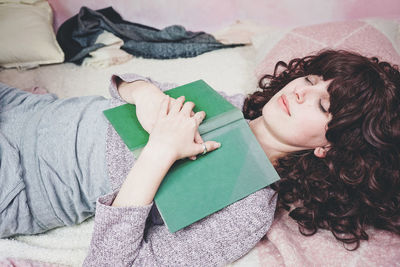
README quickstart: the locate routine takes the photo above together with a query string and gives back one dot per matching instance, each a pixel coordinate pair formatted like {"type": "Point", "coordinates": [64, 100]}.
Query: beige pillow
{"type": "Point", "coordinates": [27, 36]}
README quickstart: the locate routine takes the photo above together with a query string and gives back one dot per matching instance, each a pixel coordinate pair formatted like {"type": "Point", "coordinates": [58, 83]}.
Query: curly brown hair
{"type": "Point", "coordinates": [357, 184]}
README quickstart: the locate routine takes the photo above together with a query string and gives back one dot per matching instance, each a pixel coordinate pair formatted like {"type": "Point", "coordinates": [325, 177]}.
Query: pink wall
{"type": "Point", "coordinates": [209, 15]}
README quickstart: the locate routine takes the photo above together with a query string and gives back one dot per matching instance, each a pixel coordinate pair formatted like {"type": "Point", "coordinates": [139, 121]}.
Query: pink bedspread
{"type": "Point", "coordinates": [287, 247]}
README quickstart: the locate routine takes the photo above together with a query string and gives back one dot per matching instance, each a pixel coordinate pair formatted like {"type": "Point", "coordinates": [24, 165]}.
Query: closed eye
{"type": "Point", "coordinates": [308, 80]}
{"type": "Point", "coordinates": [321, 107]}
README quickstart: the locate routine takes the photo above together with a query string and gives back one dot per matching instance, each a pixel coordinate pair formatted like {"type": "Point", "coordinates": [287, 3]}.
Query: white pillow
{"type": "Point", "coordinates": [27, 36]}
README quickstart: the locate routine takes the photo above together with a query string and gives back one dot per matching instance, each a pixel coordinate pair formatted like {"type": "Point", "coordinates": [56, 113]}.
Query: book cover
{"type": "Point", "coordinates": [193, 190]}
{"type": "Point", "coordinates": [218, 109]}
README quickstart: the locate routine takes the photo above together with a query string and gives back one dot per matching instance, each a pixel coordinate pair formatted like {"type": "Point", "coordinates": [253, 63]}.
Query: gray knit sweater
{"type": "Point", "coordinates": [132, 236]}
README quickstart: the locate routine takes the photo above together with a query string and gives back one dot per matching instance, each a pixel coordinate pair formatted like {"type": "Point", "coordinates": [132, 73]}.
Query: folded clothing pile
{"type": "Point", "coordinates": [78, 36]}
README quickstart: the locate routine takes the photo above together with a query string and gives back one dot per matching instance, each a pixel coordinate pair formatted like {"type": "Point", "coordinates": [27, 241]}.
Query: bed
{"type": "Point", "coordinates": [233, 70]}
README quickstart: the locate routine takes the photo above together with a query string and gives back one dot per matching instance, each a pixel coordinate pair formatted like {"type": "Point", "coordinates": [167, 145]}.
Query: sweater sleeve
{"type": "Point", "coordinates": [122, 238]}
{"type": "Point", "coordinates": [220, 238]}
{"type": "Point", "coordinates": [237, 99]}
{"type": "Point", "coordinates": [131, 77]}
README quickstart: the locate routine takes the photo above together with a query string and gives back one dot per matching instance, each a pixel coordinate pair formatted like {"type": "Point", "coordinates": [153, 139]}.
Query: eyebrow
{"type": "Point", "coordinates": [317, 77]}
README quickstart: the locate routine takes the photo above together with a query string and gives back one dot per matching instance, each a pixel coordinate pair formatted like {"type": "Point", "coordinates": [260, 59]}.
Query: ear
{"type": "Point", "coordinates": [320, 152]}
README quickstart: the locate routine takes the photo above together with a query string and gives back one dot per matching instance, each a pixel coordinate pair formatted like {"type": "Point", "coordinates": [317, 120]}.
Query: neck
{"type": "Point", "coordinates": [269, 143]}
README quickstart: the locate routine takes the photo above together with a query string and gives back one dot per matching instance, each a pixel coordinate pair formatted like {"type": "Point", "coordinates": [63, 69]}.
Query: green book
{"type": "Point", "coordinates": [193, 190]}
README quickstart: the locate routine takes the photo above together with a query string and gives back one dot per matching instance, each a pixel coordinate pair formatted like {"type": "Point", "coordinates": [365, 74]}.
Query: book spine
{"type": "Point", "coordinates": [220, 121]}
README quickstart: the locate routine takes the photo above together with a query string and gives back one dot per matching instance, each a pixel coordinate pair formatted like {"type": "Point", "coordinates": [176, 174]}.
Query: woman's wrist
{"type": "Point", "coordinates": [132, 92]}
{"type": "Point", "coordinates": [161, 154]}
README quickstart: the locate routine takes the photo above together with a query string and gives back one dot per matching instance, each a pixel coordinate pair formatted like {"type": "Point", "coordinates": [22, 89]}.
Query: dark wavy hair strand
{"type": "Point", "coordinates": [357, 184]}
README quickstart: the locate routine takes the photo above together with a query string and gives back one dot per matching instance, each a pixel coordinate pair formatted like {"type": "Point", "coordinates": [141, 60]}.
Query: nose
{"type": "Point", "coordinates": [300, 94]}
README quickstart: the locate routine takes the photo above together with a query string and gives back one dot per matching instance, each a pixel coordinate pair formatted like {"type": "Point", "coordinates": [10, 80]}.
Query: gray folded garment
{"type": "Point", "coordinates": [77, 37]}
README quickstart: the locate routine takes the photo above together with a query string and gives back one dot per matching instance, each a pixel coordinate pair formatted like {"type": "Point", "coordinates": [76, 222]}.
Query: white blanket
{"type": "Point", "coordinates": [228, 70]}
{"type": "Point", "coordinates": [232, 71]}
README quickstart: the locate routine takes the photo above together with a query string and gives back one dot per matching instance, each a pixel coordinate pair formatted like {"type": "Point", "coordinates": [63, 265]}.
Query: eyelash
{"type": "Point", "coordinates": [322, 107]}
{"type": "Point", "coordinates": [308, 80]}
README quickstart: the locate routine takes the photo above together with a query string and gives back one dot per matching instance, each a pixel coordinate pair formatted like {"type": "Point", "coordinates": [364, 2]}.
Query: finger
{"type": "Point", "coordinates": [177, 105]}
{"type": "Point", "coordinates": [171, 103]}
{"type": "Point", "coordinates": [210, 146]}
{"type": "Point", "coordinates": [199, 117]}
{"type": "Point", "coordinates": [193, 158]}
{"type": "Point", "coordinates": [164, 106]}
{"type": "Point", "coordinates": [197, 138]}
{"type": "Point", "coordinates": [187, 108]}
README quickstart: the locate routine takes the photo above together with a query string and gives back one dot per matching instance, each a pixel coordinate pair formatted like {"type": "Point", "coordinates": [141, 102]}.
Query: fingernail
{"type": "Point", "coordinates": [218, 145]}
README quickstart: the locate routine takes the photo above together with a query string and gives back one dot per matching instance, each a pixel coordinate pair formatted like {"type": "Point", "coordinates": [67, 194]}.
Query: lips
{"type": "Point", "coordinates": [283, 102]}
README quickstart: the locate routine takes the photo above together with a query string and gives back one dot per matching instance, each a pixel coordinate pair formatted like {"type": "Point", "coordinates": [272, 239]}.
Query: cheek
{"type": "Point", "coordinates": [311, 131]}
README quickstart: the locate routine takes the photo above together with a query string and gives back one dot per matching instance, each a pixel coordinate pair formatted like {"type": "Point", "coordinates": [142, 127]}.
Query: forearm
{"type": "Point", "coordinates": [132, 92]}
{"type": "Point", "coordinates": [143, 180]}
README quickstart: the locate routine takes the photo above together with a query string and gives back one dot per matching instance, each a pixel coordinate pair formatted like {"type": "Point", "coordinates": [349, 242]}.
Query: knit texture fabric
{"type": "Point", "coordinates": [122, 237]}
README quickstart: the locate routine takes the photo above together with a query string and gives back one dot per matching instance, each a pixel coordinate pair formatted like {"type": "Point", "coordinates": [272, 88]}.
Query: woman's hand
{"type": "Point", "coordinates": [146, 97]}
{"type": "Point", "coordinates": [175, 133]}
{"type": "Point", "coordinates": [173, 137]}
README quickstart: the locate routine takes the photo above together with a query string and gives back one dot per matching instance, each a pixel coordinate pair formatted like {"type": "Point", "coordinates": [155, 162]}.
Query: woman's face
{"type": "Point", "coordinates": [297, 116]}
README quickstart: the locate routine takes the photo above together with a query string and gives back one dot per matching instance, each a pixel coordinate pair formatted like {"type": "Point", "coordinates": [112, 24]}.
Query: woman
{"type": "Point", "coordinates": [325, 121]}
{"type": "Point", "coordinates": [330, 125]}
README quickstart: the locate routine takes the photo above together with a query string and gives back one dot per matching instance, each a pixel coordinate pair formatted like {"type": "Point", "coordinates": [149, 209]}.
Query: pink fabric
{"type": "Point", "coordinates": [211, 16]}
{"type": "Point", "coordinates": [287, 247]}
{"type": "Point", "coordinates": [356, 36]}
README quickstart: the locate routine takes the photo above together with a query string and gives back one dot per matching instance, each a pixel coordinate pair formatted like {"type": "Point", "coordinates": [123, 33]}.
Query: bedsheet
{"type": "Point", "coordinates": [231, 71]}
